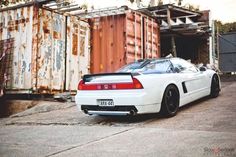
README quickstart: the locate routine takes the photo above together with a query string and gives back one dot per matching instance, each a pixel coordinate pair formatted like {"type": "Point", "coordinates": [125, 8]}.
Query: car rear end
{"type": "Point", "coordinates": [110, 94]}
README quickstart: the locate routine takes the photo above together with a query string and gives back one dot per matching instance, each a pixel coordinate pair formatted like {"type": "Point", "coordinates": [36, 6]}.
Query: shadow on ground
{"type": "Point", "coordinates": [107, 120]}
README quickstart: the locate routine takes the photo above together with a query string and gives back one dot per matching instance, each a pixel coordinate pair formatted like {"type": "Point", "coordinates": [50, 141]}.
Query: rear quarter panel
{"type": "Point", "coordinates": [155, 85]}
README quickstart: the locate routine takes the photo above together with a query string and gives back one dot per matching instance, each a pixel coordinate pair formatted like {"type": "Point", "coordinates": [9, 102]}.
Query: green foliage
{"type": "Point", "coordinates": [225, 28]}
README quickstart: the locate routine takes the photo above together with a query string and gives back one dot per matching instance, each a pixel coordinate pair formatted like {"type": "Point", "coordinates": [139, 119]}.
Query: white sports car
{"type": "Point", "coordinates": [146, 86]}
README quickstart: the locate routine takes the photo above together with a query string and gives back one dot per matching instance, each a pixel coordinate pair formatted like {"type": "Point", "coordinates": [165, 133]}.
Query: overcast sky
{"type": "Point", "coordinates": [224, 10]}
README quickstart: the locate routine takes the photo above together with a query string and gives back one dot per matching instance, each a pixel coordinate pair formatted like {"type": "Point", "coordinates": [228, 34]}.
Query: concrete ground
{"type": "Point", "coordinates": [204, 128]}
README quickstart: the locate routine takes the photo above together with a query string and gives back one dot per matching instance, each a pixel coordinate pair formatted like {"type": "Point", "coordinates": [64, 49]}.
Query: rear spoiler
{"type": "Point", "coordinates": [87, 76]}
{"type": "Point", "coordinates": [126, 81]}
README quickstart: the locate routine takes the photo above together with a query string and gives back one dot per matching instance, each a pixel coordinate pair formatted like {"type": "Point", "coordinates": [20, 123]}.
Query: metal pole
{"type": "Point", "coordinates": [173, 47]}
{"type": "Point", "coordinates": [213, 54]}
{"type": "Point", "coordinates": [218, 46]}
{"type": "Point", "coordinates": [66, 18]}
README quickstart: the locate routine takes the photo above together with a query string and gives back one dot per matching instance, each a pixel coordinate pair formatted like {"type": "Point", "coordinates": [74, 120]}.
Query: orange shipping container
{"type": "Point", "coordinates": [120, 39]}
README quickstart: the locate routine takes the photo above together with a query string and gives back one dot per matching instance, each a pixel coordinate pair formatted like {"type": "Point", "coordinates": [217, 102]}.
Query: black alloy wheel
{"type": "Point", "coordinates": [170, 101]}
{"type": "Point", "coordinates": [215, 86]}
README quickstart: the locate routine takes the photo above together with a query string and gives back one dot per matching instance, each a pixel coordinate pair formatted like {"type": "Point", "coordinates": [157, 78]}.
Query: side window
{"type": "Point", "coordinates": [184, 66]}
{"type": "Point", "coordinates": [177, 63]}
{"type": "Point", "coordinates": [158, 66]}
{"type": "Point", "coordinates": [192, 69]}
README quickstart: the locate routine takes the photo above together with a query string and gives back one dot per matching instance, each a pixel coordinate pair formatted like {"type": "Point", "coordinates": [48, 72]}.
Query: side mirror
{"type": "Point", "coordinates": [176, 69]}
{"type": "Point", "coordinates": [202, 68]}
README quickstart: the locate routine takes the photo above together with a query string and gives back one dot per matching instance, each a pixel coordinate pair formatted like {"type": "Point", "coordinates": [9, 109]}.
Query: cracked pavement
{"type": "Point", "coordinates": [206, 127]}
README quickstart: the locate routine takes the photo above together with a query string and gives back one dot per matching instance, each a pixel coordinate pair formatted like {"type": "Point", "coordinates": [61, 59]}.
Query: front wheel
{"type": "Point", "coordinates": [215, 86]}
{"type": "Point", "coordinates": [170, 101]}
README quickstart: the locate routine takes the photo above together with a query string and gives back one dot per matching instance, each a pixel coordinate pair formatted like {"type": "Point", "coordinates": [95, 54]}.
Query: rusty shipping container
{"type": "Point", "coordinates": [51, 51]}
{"type": "Point", "coordinates": [38, 49]}
{"type": "Point", "coordinates": [78, 51]}
{"type": "Point", "coordinates": [17, 25]}
{"type": "Point", "coordinates": [120, 39]}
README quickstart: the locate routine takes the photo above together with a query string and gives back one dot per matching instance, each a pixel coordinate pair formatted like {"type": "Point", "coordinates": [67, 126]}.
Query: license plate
{"type": "Point", "coordinates": [105, 102]}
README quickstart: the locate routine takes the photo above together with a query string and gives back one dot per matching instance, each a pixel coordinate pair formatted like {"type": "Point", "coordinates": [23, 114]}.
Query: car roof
{"type": "Point", "coordinates": [161, 59]}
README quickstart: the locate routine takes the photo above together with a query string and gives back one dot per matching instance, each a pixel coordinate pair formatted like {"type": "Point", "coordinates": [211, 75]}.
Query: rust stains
{"type": "Point", "coordinates": [56, 35]}
{"type": "Point", "coordinates": [46, 22]}
{"type": "Point", "coordinates": [75, 44]}
{"type": "Point", "coordinates": [120, 39]}
{"type": "Point", "coordinates": [68, 29]}
{"type": "Point", "coordinates": [39, 50]}
{"type": "Point", "coordinates": [46, 30]}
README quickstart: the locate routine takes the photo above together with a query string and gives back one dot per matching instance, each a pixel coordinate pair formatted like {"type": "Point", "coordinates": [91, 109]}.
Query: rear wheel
{"type": "Point", "coordinates": [170, 101]}
{"type": "Point", "coordinates": [215, 86]}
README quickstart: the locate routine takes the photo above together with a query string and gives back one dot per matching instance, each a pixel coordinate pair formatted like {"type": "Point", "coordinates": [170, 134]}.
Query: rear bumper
{"type": "Point", "coordinates": [109, 113]}
{"type": "Point", "coordinates": [116, 110]}
{"type": "Point", "coordinates": [125, 101]}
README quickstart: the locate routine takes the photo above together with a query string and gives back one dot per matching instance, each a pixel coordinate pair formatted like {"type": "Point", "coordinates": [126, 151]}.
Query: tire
{"type": "Point", "coordinates": [215, 86]}
{"type": "Point", "coordinates": [170, 101]}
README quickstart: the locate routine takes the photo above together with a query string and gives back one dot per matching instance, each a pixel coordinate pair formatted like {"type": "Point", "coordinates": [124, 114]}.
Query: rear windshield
{"type": "Point", "coordinates": [156, 66]}
{"type": "Point", "coordinates": [132, 66]}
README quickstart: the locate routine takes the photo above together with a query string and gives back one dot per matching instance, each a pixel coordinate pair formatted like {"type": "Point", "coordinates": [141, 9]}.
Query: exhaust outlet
{"type": "Point", "coordinates": [85, 111]}
{"type": "Point", "coordinates": [132, 112]}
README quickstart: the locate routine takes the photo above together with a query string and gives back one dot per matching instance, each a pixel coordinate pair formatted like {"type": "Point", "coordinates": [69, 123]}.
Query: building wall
{"type": "Point", "coordinates": [227, 54]}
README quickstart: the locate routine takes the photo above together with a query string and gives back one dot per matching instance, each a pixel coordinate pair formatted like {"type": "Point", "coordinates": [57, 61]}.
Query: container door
{"type": "Point", "coordinates": [77, 53]}
{"type": "Point", "coordinates": [134, 36]}
{"type": "Point", "coordinates": [142, 37]}
{"type": "Point", "coordinates": [51, 50]}
{"type": "Point", "coordinates": [151, 35]}
{"type": "Point", "coordinates": [16, 37]}
{"type": "Point", "coordinates": [108, 43]}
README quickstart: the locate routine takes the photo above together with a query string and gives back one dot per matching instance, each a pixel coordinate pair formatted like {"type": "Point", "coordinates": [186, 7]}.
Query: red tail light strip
{"type": "Point", "coordinates": [112, 86]}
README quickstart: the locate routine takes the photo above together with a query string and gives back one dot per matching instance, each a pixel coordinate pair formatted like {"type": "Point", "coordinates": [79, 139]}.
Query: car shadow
{"type": "Point", "coordinates": [194, 103]}
{"type": "Point", "coordinates": [136, 119]}
{"type": "Point", "coordinates": [131, 119]}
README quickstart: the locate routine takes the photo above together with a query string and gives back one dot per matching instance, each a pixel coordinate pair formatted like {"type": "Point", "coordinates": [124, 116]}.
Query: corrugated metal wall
{"type": "Point", "coordinates": [41, 41]}
{"type": "Point", "coordinates": [78, 51]}
{"type": "Point", "coordinates": [143, 37]}
{"type": "Point", "coordinates": [108, 43]}
{"type": "Point", "coordinates": [51, 51]}
{"type": "Point", "coordinates": [17, 24]}
{"type": "Point", "coordinates": [121, 39]}
{"type": "Point", "coordinates": [227, 58]}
